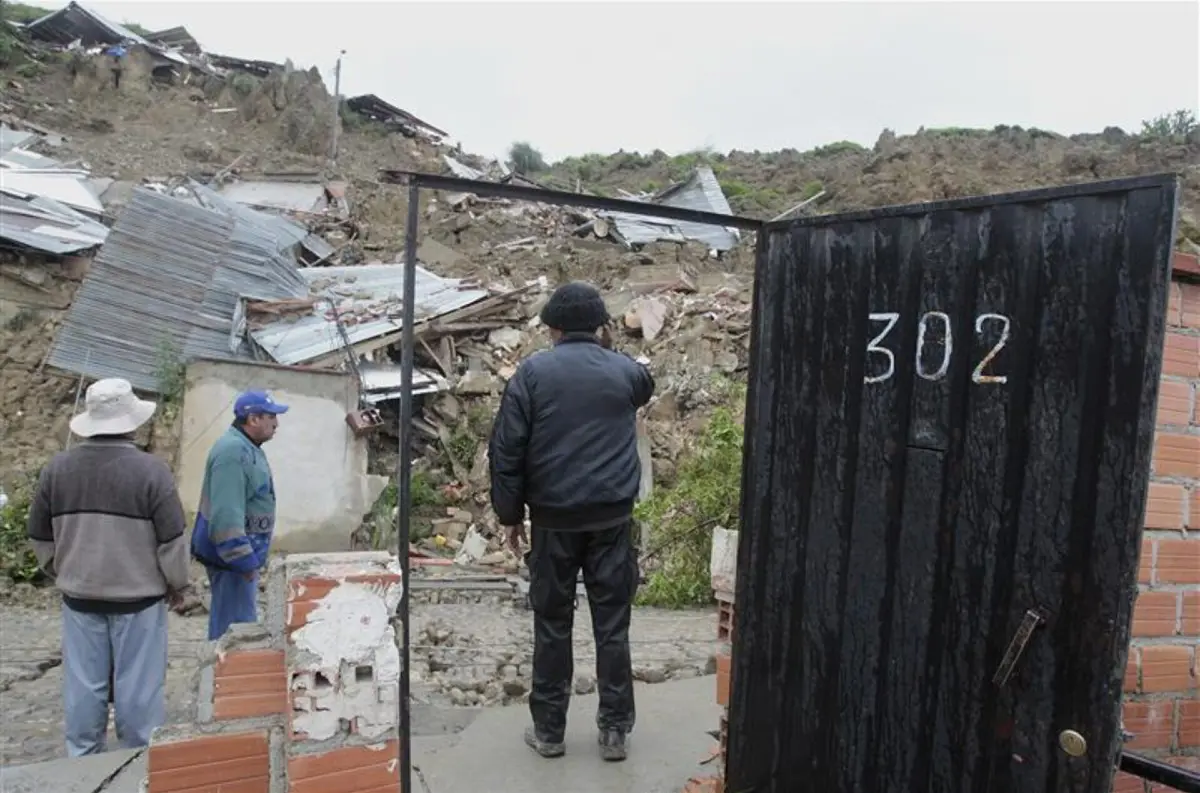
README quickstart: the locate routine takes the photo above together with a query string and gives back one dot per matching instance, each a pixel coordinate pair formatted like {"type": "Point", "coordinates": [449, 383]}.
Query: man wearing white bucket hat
{"type": "Point", "coordinates": [107, 525]}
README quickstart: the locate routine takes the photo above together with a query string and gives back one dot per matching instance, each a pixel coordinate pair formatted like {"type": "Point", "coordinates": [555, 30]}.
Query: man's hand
{"type": "Point", "coordinates": [516, 537]}
{"type": "Point", "coordinates": [183, 601]}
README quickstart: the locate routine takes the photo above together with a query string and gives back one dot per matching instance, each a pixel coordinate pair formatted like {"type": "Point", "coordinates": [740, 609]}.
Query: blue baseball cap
{"type": "Point", "coordinates": [252, 402]}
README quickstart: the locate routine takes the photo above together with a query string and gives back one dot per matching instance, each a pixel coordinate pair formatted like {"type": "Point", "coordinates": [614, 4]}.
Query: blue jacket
{"type": "Point", "coordinates": [236, 518]}
{"type": "Point", "coordinates": [564, 442]}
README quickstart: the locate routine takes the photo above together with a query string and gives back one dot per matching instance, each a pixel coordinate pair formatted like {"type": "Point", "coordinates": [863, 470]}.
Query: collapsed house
{"type": "Point", "coordinates": [700, 191]}
{"type": "Point", "coordinates": [372, 107]}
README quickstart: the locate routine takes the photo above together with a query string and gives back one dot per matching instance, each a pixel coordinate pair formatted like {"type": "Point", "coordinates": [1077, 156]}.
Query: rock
{"type": "Point", "coordinates": [515, 688]}
{"type": "Point", "coordinates": [506, 338]}
{"type": "Point", "coordinates": [477, 382]}
{"type": "Point", "coordinates": [458, 697]}
{"type": "Point", "coordinates": [584, 684]}
{"type": "Point", "coordinates": [649, 674]}
{"type": "Point", "coordinates": [508, 672]}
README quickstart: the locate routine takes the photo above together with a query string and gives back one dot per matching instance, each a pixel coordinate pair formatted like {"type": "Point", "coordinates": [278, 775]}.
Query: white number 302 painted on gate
{"type": "Point", "coordinates": [890, 318]}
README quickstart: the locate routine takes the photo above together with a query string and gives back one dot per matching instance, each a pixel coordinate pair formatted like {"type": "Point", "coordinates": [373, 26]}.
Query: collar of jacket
{"type": "Point", "coordinates": [245, 437]}
{"type": "Point", "coordinates": [578, 337]}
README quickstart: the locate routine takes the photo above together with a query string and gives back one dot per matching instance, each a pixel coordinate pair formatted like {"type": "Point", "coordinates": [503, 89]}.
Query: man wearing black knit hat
{"type": "Point", "coordinates": [564, 444]}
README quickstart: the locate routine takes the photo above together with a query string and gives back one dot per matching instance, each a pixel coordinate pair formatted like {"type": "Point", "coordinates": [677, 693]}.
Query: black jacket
{"type": "Point", "coordinates": [565, 438]}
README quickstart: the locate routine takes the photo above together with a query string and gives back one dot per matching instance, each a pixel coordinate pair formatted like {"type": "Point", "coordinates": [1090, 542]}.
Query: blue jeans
{"type": "Point", "coordinates": [234, 599]}
{"type": "Point", "coordinates": [134, 648]}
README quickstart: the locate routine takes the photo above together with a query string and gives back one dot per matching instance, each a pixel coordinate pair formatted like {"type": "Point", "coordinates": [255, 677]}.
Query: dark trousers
{"type": "Point", "coordinates": [609, 564]}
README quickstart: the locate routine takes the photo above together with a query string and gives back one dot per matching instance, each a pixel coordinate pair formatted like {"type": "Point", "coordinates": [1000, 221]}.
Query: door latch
{"type": "Point", "coordinates": [1016, 647]}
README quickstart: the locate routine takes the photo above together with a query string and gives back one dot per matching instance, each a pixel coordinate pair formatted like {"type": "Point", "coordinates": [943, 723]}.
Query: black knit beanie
{"type": "Point", "coordinates": [575, 307]}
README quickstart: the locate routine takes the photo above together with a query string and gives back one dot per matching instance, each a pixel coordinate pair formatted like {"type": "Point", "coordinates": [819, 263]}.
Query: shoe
{"type": "Point", "coordinates": [544, 748]}
{"type": "Point", "coordinates": [612, 746]}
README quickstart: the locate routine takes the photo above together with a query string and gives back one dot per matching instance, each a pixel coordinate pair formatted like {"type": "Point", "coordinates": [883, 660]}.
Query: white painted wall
{"type": "Point", "coordinates": [320, 468]}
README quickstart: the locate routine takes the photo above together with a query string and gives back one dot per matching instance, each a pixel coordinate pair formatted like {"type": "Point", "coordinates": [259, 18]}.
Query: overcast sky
{"type": "Point", "coordinates": [571, 78]}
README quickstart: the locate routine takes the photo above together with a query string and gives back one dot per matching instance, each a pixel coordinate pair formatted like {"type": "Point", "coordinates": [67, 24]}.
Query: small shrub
{"type": "Point", "coordinates": [1178, 124]}
{"type": "Point", "coordinates": [17, 560]}
{"type": "Point", "coordinates": [838, 147]}
{"type": "Point", "coordinates": [243, 84]}
{"type": "Point", "coordinates": [706, 494]}
{"type": "Point", "coordinates": [30, 70]}
{"type": "Point", "coordinates": [170, 372]}
{"type": "Point", "coordinates": [525, 159]}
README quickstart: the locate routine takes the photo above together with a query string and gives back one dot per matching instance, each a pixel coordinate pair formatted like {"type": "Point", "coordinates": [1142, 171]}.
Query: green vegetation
{"type": "Point", "coordinates": [681, 518]}
{"type": "Point", "coordinates": [243, 84]}
{"type": "Point", "coordinates": [525, 159]}
{"type": "Point", "coordinates": [1181, 123]}
{"type": "Point", "coordinates": [17, 561]}
{"type": "Point", "coordinates": [170, 373]}
{"type": "Point", "coordinates": [423, 496]}
{"type": "Point", "coordinates": [21, 13]}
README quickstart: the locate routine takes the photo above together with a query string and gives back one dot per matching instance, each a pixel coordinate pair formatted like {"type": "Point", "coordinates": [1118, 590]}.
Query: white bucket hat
{"type": "Point", "coordinates": [112, 409]}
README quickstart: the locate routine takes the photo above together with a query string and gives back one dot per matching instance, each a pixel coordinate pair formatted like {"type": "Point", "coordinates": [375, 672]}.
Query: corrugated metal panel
{"type": "Point", "coordinates": [274, 232]}
{"type": "Point", "coordinates": [702, 192]}
{"type": "Point", "coordinates": [289, 196]}
{"type": "Point", "coordinates": [12, 138]}
{"type": "Point", "coordinates": [372, 289]}
{"type": "Point", "coordinates": [462, 170]}
{"type": "Point", "coordinates": [74, 21]}
{"type": "Point", "coordinates": [47, 226]}
{"type": "Point", "coordinates": [382, 383]}
{"type": "Point", "coordinates": [65, 188]}
{"type": "Point", "coordinates": [950, 423]}
{"type": "Point", "coordinates": [171, 271]}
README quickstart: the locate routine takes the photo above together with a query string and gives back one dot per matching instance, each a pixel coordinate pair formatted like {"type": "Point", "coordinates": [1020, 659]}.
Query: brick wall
{"type": "Point", "coordinates": [1162, 680]}
{"type": "Point", "coordinates": [305, 702]}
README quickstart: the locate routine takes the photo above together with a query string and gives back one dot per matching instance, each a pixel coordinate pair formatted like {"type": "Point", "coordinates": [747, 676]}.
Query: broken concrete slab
{"type": "Point", "coordinates": [81, 775]}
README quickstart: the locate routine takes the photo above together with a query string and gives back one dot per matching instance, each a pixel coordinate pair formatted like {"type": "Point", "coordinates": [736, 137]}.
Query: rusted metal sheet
{"type": "Point", "coordinates": [948, 439]}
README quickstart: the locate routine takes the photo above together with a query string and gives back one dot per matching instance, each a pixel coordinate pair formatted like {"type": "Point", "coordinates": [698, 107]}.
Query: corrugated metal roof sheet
{"type": "Point", "coordinates": [462, 170]}
{"type": "Point", "coordinates": [48, 226]}
{"type": "Point", "coordinates": [65, 187]}
{"type": "Point", "coordinates": [171, 271]}
{"type": "Point", "coordinates": [701, 191]}
{"type": "Point", "coordinates": [373, 293]}
{"type": "Point", "coordinates": [288, 196]}
{"type": "Point", "coordinates": [275, 232]}
{"type": "Point", "coordinates": [12, 138]}
{"type": "Point", "coordinates": [73, 21]}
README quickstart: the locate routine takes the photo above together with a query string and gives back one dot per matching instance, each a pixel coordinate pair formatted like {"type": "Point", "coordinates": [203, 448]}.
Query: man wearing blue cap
{"type": "Point", "coordinates": [236, 518]}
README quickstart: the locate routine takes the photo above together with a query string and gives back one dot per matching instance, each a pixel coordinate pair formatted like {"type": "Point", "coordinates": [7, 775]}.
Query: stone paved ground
{"type": "Point", "coordinates": [464, 653]}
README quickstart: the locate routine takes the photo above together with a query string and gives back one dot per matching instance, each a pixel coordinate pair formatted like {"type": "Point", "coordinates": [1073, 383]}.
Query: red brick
{"type": "Point", "coordinates": [1167, 667]}
{"type": "Point", "coordinates": [1174, 403]}
{"type": "Point", "coordinates": [1185, 263]}
{"type": "Point", "coordinates": [1178, 561]}
{"type": "Point", "coordinates": [1175, 305]}
{"type": "Point", "coordinates": [1131, 672]}
{"type": "Point", "coordinates": [1193, 521]}
{"type": "Point", "coordinates": [1146, 562]}
{"type": "Point", "coordinates": [1127, 783]}
{"type": "Point", "coordinates": [1152, 724]}
{"type": "Point", "coordinates": [234, 763]}
{"type": "Point", "coordinates": [723, 664]}
{"type": "Point", "coordinates": [351, 769]}
{"type": "Point", "coordinates": [1181, 355]}
{"type": "Point", "coordinates": [304, 593]}
{"type": "Point", "coordinates": [1190, 305]}
{"type": "Point", "coordinates": [1190, 625]}
{"type": "Point", "coordinates": [1189, 724]}
{"type": "Point", "coordinates": [248, 684]}
{"type": "Point", "coordinates": [1164, 506]}
{"type": "Point", "coordinates": [1154, 614]}
{"type": "Point", "coordinates": [1177, 455]}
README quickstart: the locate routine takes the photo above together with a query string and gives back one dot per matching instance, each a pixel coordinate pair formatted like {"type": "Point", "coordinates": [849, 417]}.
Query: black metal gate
{"type": "Point", "coordinates": [948, 436]}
